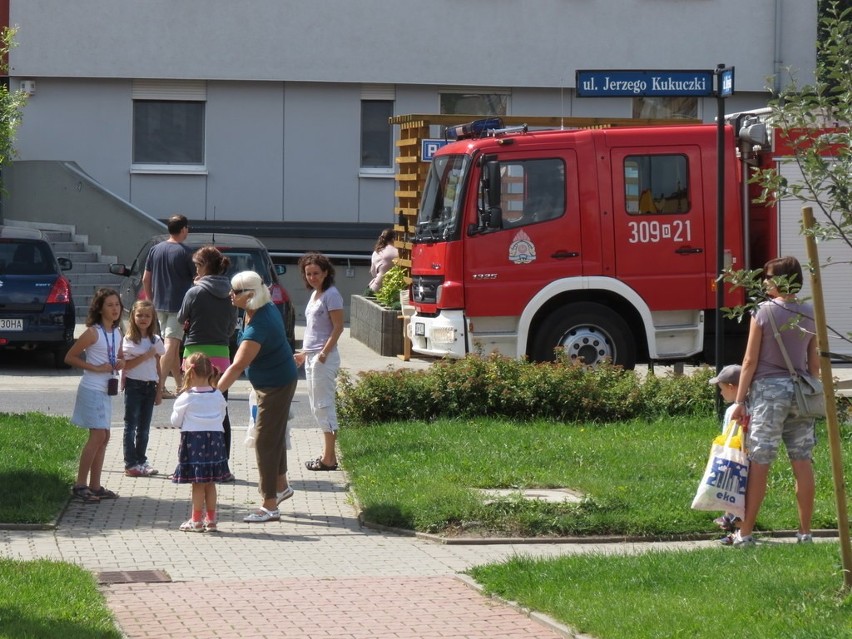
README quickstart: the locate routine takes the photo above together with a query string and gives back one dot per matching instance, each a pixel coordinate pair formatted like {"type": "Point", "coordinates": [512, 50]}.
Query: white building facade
{"type": "Point", "coordinates": [273, 113]}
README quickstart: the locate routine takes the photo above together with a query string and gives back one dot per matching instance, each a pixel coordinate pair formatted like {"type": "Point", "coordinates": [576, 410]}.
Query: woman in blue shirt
{"type": "Point", "coordinates": [265, 355]}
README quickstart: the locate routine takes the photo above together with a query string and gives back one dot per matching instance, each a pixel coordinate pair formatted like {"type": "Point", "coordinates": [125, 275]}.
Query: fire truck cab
{"type": "Point", "coordinates": [598, 241]}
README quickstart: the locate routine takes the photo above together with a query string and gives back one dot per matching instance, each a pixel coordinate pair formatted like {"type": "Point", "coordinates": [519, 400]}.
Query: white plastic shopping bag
{"type": "Point", "coordinates": [723, 486]}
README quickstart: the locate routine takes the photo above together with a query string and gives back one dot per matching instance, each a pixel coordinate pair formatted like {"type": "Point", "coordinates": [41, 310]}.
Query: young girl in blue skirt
{"type": "Point", "coordinates": [101, 343]}
{"type": "Point", "coordinates": [199, 411]}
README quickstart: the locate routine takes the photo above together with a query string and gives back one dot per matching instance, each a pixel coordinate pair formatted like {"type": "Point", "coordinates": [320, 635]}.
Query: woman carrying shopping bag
{"type": "Point", "coordinates": [766, 379]}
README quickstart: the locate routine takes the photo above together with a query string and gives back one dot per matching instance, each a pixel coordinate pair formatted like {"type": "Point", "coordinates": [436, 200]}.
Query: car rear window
{"type": "Point", "coordinates": [243, 260]}
{"type": "Point", "coordinates": [22, 257]}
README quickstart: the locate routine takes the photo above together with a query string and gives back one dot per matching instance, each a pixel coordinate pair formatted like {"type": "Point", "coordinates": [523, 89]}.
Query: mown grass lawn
{"type": "Point", "coordinates": [639, 477]}
{"type": "Point", "coordinates": [38, 464]}
{"type": "Point", "coordinates": [50, 599]}
{"type": "Point", "coordinates": [777, 590]}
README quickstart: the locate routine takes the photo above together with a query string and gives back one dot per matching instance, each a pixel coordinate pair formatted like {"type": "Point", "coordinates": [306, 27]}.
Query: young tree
{"type": "Point", "coordinates": [825, 159]}
{"type": "Point", "coordinates": [11, 102]}
{"type": "Point", "coordinates": [815, 121]}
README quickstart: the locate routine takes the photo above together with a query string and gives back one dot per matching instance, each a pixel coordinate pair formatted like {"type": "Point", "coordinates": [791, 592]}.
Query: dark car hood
{"type": "Point", "coordinates": [25, 292]}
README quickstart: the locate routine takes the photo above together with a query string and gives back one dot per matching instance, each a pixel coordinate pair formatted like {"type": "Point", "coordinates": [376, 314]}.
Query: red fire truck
{"type": "Point", "coordinates": [598, 241]}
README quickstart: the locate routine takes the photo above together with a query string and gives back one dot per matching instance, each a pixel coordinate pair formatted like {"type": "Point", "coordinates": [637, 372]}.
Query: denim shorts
{"type": "Point", "coordinates": [774, 419]}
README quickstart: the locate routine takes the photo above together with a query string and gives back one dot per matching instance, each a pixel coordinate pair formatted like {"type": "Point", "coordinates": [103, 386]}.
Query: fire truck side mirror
{"type": "Point", "coordinates": [493, 191]}
{"type": "Point", "coordinates": [492, 185]}
{"type": "Point", "coordinates": [495, 217]}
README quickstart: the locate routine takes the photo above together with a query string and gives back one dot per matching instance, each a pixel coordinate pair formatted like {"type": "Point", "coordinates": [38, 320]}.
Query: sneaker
{"type": "Point", "coordinates": [147, 470]}
{"type": "Point", "coordinates": [134, 471]}
{"type": "Point", "coordinates": [804, 538]}
{"type": "Point", "coordinates": [741, 541]}
{"type": "Point", "coordinates": [727, 540]}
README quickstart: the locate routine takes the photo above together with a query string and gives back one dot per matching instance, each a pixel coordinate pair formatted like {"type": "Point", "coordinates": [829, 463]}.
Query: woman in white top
{"type": "Point", "coordinates": [319, 354]}
{"type": "Point", "coordinates": [384, 254]}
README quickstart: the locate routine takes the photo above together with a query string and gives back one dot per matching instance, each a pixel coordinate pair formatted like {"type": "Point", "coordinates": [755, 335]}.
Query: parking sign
{"type": "Point", "coordinates": [430, 146]}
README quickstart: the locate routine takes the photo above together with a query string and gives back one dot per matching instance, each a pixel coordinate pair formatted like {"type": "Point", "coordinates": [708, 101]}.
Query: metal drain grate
{"type": "Point", "coordinates": [133, 577]}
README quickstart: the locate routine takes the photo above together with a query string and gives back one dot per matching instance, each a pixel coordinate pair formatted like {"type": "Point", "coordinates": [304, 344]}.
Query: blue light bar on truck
{"type": "Point", "coordinates": [474, 129]}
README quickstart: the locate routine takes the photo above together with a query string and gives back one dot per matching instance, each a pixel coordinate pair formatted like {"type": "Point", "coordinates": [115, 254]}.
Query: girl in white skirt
{"type": "Point", "coordinates": [199, 411]}
{"type": "Point", "coordinates": [101, 343]}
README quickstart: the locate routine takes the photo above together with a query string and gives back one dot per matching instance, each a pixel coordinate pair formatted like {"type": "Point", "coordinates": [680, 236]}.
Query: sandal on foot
{"type": "Point", "coordinates": [316, 464]}
{"type": "Point", "coordinates": [192, 526]}
{"type": "Point", "coordinates": [210, 526]}
{"type": "Point", "coordinates": [285, 494]}
{"type": "Point", "coordinates": [82, 493]}
{"type": "Point", "coordinates": [262, 515]}
{"type": "Point", "coordinates": [103, 493]}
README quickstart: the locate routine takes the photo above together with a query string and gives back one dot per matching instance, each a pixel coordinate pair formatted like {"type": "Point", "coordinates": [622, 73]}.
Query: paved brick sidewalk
{"type": "Point", "coordinates": [321, 608]}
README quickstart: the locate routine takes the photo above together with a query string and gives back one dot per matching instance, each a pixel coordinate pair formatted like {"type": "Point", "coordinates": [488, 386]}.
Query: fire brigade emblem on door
{"type": "Point", "coordinates": [521, 250]}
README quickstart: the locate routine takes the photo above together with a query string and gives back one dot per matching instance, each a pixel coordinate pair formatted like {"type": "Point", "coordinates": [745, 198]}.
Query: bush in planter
{"type": "Point", "coordinates": [392, 284]}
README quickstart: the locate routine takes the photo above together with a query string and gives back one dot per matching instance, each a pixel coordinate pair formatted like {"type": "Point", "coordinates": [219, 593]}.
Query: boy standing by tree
{"type": "Point", "coordinates": [728, 381]}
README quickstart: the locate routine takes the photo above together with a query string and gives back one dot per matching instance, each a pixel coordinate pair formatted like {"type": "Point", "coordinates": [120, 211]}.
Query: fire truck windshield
{"type": "Point", "coordinates": [440, 212]}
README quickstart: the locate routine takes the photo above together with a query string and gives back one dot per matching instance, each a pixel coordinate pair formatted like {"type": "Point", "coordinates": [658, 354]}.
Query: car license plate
{"type": "Point", "coordinates": [419, 328]}
{"type": "Point", "coordinates": [11, 324]}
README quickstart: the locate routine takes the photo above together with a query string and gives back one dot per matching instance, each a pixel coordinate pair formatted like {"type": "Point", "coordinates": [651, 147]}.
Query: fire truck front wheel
{"type": "Point", "coordinates": [588, 332]}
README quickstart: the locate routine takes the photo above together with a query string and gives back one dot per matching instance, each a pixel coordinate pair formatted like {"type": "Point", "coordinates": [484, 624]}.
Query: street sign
{"type": "Point", "coordinates": [611, 84]}
{"type": "Point", "coordinates": [726, 82]}
{"type": "Point", "coordinates": [428, 148]}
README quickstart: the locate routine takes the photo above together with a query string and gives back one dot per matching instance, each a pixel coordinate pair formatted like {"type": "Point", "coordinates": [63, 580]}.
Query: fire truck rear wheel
{"type": "Point", "coordinates": [588, 332]}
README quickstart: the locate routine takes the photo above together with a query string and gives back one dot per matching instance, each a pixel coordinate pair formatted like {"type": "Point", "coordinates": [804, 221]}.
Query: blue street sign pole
{"type": "Point", "coordinates": [725, 87]}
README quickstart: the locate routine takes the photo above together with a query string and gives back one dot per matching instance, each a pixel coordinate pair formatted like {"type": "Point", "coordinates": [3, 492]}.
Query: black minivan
{"type": "Point", "coordinates": [246, 253]}
{"type": "Point", "coordinates": [36, 308]}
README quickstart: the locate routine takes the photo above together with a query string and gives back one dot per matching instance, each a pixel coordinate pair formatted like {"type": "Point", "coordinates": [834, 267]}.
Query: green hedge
{"type": "Point", "coordinates": [521, 390]}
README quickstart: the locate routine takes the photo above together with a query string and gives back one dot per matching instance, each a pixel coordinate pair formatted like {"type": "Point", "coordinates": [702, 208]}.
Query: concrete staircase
{"type": "Point", "coordinates": [90, 267]}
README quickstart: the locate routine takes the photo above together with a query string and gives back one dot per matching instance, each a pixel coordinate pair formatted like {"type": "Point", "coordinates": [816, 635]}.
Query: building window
{"type": "Point", "coordinates": [656, 184]}
{"type": "Point", "coordinates": [168, 125]}
{"type": "Point", "coordinates": [470, 103]}
{"type": "Point", "coordinates": [168, 132]}
{"type": "Point", "coordinates": [376, 134]}
{"type": "Point", "coordinates": [675, 108]}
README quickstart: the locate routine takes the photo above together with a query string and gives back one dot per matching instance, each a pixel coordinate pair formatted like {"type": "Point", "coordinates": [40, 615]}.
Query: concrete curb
{"type": "Point", "coordinates": [539, 617]}
{"type": "Point", "coordinates": [591, 539]}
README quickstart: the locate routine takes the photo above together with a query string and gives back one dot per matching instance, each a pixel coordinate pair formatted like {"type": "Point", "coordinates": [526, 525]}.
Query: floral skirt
{"type": "Point", "coordinates": [201, 458]}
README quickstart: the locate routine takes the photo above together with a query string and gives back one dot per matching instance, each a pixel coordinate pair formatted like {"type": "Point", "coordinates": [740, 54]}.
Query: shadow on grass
{"type": "Point", "coordinates": [31, 496]}
{"type": "Point", "coordinates": [19, 623]}
{"type": "Point", "coordinates": [387, 515]}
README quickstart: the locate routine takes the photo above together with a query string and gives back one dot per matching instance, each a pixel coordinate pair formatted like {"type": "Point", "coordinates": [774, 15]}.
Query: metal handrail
{"type": "Point", "coordinates": [331, 256]}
